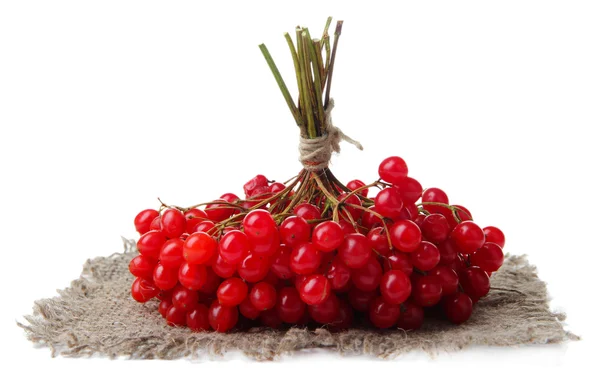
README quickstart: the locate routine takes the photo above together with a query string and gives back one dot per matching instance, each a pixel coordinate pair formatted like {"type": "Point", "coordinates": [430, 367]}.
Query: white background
{"type": "Point", "coordinates": [106, 105]}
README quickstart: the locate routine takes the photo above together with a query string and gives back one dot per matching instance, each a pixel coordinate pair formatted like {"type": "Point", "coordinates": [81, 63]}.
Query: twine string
{"type": "Point", "coordinates": [315, 153]}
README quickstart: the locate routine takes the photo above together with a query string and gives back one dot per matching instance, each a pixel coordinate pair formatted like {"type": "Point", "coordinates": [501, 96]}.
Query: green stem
{"type": "Point", "coordinates": [281, 84]}
{"type": "Point", "coordinates": [336, 37]}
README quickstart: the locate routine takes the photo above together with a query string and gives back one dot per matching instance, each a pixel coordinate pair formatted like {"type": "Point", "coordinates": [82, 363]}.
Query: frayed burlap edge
{"type": "Point", "coordinates": [97, 316]}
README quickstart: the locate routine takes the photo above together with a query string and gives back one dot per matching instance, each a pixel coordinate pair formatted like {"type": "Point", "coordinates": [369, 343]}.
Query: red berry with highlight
{"type": "Point", "coordinates": [199, 248]}
{"type": "Point", "coordinates": [143, 290]}
{"type": "Point", "coordinates": [327, 236]}
{"type": "Point", "coordinates": [172, 223]}
{"type": "Point", "coordinates": [263, 296]}
{"type": "Point", "coordinates": [395, 287]}
{"type": "Point", "coordinates": [467, 237]}
{"type": "Point", "coordinates": [405, 236]}
{"type": "Point", "coordinates": [393, 170]}
{"type": "Point", "coordinates": [494, 235]}
{"type": "Point", "coordinates": [221, 317]}
{"type": "Point", "coordinates": [232, 292]}
{"type": "Point", "coordinates": [315, 289]}
{"type": "Point", "coordinates": [197, 319]}
{"type": "Point", "coordinates": [144, 219]}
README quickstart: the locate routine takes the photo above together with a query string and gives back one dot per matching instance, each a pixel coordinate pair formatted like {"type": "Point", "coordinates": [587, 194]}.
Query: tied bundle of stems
{"type": "Point", "coordinates": [314, 74]}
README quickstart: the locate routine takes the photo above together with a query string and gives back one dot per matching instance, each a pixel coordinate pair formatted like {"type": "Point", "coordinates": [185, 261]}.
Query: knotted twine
{"type": "Point", "coordinates": [97, 316]}
{"type": "Point", "coordinates": [315, 153]}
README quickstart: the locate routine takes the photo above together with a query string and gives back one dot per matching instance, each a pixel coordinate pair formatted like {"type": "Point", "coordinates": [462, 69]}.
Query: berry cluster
{"type": "Point", "coordinates": [316, 252]}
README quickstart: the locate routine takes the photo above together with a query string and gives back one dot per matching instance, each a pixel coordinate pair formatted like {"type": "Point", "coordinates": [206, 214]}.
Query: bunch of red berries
{"type": "Point", "coordinates": [316, 252]}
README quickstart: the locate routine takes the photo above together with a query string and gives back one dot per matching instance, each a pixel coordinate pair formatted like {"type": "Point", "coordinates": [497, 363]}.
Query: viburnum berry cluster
{"type": "Point", "coordinates": [312, 250]}
{"type": "Point", "coordinates": [305, 253]}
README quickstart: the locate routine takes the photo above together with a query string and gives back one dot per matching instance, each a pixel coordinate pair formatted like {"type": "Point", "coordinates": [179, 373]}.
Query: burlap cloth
{"type": "Point", "coordinates": [96, 315]}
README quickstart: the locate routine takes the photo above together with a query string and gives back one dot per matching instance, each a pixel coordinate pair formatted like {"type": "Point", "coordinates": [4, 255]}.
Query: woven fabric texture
{"type": "Point", "coordinates": [97, 316]}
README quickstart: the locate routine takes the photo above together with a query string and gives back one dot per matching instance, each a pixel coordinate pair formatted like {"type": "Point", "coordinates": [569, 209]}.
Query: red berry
{"type": "Point", "coordinates": [294, 230]}
{"type": "Point", "coordinates": [388, 203]}
{"type": "Point", "coordinates": [305, 259]}
{"type": "Point", "coordinates": [327, 236]}
{"type": "Point", "coordinates": [222, 318]}
{"type": "Point", "coordinates": [204, 226]}
{"type": "Point", "coordinates": [192, 277]}
{"type": "Point", "coordinates": [173, 223]}
{"type": "Point", "coordinates": [326, 312]}
{"type": "Point", "coordinates": [490, 257]}
{"type": "Point", "coordinates": [356, 184]}
{"type": "Point", "coordinates": [495, 235]}
{"type": "Point", "coordinates": [315, 289]}
{"type": "Point", "coordinates": [143, 290]}
{"type": "Point", "coordinates": [435, 228]}
{"type": "Point", "coordinates": [368, 277]}
{"type": "Point", "coordinates": [171, 253]}
{"type": "Point", "coordinates": [457, 307]}
{"type": "Point", "coordinates": [307, 211]}
{"type": "Point", "coordinates": [468, 237]}
{"type": "Point", "coordinates": [164, 306]}
{"type": "Point", "coordinates": [378, 241]}
{"type": "Point", "coordinates": [259, 224]}
{"type": "Point", "coordinates": [427, 290]}
{"type": "Point", "coordinates": [266, 246]}
{"type": "Point", "coordinates": [176, 316]}
{"type": "Point", "coordinates": [382, 314]}
{"type": "Point", "coordinates": [338, 274]}
{"type": "Point", "coordinates": [280, 265]}
{"type": "Point", "coordinates": [290, 307]}
{"type": "Point", "coordinates": [165, 278]}
{"type": "Point", "coordinates": [150, 243]}
{"type": "Point", "coordinates": [405, 236]}
{"type": "Point", "coordinates": [199, 248]}
{"type": "Point", "coordinates": [355, 250]}
{"type": "Point", "coordinates": [393, 170]}
{"type": "Point", "coordinates": [448, 279]}
{"type": "Point", "coordinates": [193, 217]}
{"type": "Point", "coordinates": [410, 190]}
{"type": "Point", "coordinates": [409, 212]}
{"type": "Point", "coordinates": [360, 300]}
{"type": "Point", "coordinates": [463, 213]}
{"type": "Point", "coordinates": [248, 310]}
{"type": "Point", "coordinates": [223, 268]}
{"type": "Point", "coordinates": [142, 267]}
{"type": "Point", "coordinates": [197, 319]}
{"type": "Point", "coordinates": [426, 257]}
{"type": "Point", "coordinates": [155, 224]}
{"type": "Point", "coordinates": [395, 287]}
{"type": "Point", "coordinates": [435, 195]}
{"type": "Point", "coordinates": [276, 187]}
{"type": "Point", "coordinates": [184, 298]}
{"type": "Point", "coordinates": [347, 227]}
{"type": "Point", "coordinates": [220, 210]}
{"type": "Point", "coordinates": [399, 261]}
{"type": "Point", "coordinates": [234, 246]}
{"type": "Point", "coordinates": [143, 220]}
{"type": "Point", "coordinates": [263, 296]}
{"type": "Point", "coordinates": [411, 316]}
{"type": "Point", "coordinates": [475, 282]}
{"type": "Point", "coordinates": [254, 268]}
{"type": "Point", "coordinates": [253, 184]}
{"type": "Point", "coordinates": [232, 292]}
